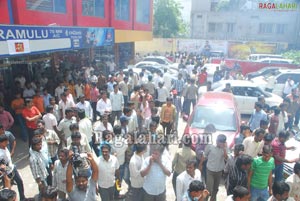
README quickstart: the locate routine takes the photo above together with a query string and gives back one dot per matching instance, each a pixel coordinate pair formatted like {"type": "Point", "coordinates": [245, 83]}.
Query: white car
{"type": "Point", "coordinates": [280, 80]}
{"type": "Point", "coordinates": [161, 60]}
{"type": "Point", "coordinates": [246, 94]}
{"type": "Point", "coordinates": [155, 67]}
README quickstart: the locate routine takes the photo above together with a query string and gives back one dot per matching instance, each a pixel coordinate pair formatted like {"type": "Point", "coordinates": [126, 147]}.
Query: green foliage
{"type": "Point", "coordinates": [292, 54]}
{"type": "Point", "coordinates": [168, 20]}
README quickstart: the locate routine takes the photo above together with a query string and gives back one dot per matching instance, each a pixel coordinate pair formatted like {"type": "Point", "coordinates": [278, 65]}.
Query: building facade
{"type": "Point", "coordinates": [131, 19]}
{"type": "Point", "coordinates": [245, 21]}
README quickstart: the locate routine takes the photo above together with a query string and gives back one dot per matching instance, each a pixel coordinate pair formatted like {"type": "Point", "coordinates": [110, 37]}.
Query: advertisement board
{"type": "Point", "coordinates": [15, 40]}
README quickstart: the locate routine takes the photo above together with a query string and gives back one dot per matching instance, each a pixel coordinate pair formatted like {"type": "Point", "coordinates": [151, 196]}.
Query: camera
{"type": "Point", "coordinates": [5, 169]}
{"type": "Point", "coordinates": [77, 159]}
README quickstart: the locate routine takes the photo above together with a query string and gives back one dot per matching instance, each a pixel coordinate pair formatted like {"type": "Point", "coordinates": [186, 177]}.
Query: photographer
{"type": "Point", "coordinates": [85, 187]}
{"type": "Point", "coordinates": [10, 169]}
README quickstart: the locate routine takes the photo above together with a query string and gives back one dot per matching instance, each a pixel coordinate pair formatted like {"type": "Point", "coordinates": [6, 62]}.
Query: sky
{"type": "Point", "coordinates": [186, 11]}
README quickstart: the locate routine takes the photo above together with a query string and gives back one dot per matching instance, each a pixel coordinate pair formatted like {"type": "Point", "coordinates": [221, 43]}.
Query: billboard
{"type": "Point", "coordinates": [15, 40]}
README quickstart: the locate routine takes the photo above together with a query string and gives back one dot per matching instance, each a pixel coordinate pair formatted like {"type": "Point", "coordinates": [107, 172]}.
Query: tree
{"type": "Point", "coordinates": [168, 20]}
{"type": "Point", "coordinates": [292, 54]}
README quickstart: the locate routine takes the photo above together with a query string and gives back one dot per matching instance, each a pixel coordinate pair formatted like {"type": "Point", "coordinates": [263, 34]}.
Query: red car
{"type": "Point", "coordinates": [217, 113]}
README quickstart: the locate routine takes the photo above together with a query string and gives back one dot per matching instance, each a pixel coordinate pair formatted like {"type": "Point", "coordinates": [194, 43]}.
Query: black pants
{"type": "Point", "coordinates": [30, 132]}
{"type": "Point", "coordinates": [107, 194]}
{"type": "Point", "coordinates": [113, 116]}
{"type": "Point", "coordinates": [167, 126]}
{"type": "Point", "coordinates": [49, 178]}
{"type": "Point", "coordinates": [94, 104]}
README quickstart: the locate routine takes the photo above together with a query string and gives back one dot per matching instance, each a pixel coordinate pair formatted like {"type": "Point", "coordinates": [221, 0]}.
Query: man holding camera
{"type": "Point", "coordinates": [85, 187]}
{"type": "Point", "coordinates": [10, 168]}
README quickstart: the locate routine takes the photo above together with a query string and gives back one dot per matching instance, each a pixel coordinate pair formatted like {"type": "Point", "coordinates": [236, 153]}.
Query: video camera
{"type": "Point", "coordinates": [77, 159]}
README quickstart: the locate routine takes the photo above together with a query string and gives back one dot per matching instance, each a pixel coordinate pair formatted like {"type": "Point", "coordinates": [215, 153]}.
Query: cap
{"type": "Point", "coordinates": [124, 118]}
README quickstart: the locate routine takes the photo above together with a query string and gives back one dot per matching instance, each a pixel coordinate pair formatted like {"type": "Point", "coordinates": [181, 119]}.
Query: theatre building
{"type": "Point", "coordinates": [42, 34]}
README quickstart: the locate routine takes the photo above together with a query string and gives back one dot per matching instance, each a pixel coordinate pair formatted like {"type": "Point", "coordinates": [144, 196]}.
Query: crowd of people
{"type": "Point", "coordinates": [91, 133]}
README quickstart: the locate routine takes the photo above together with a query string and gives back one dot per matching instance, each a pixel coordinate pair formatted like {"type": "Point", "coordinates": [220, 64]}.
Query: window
{"type": "Point", "coordinates": [280, 28]}
{"type": "Point", "coordinates": [230, 27]}
{"type": "Point", "coordinates": [265, 28]}
{"type": "Point", "coordinates": [143, 11]}
{"type": "Point", "coordinates": [56, 6]}
{"type": "Point", "coordinates": [93, 8]}
{"type": "Point", "coordinates": [214, 27]}
{"type": "Point", "coordinates": [122, 10]}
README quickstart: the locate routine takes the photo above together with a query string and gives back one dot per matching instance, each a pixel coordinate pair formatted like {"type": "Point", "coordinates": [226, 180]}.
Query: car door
{"type": "Point", "coordinates": [251, 96]}
{"type": "Point", "coordinates": [239, 96]}
{"type": "Point", "coordinates": [280, 82]}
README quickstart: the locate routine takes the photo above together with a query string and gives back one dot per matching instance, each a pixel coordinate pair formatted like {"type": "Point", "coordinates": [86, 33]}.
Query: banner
{"type": "Point", "coordinates": [34, 39]}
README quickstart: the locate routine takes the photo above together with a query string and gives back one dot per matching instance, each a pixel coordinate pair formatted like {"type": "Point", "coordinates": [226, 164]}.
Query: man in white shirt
{"type": "Point", "coordinates": [135, 167]}
{"type": "Point", "coordinates": [103, 105]}
{"type": "Point", "coordinates": [253, 145]}
{"type": "Point", "coordinates": [117, 103]}
{"type": "Point", "coordinates": [63, 104]}
{"type": "Point", "coordinates": [64, 126]}
{"type": "Point", "coordinates": [49, 119]}
{"type": "Point", "coordinates": [108, 165]}
{"type": "Point", "coordinates": [167, 79]}
{"type": "Point", "coordinates": [59, 90]}
{"type": "Point", "coordinates": [5, 159]}
{"type": "Point", "coordinates": [289, 84]}
{"type": "Point", "coordinates": [185, 178]}
{"type": "Point", "coordinates": [85, 125]}
{"type": "Point", "coordinates": [162, 93]}
{"type": "Point", "coordinates": [86, 106]}
{"type": "Point", "coordinates": [155, 170]}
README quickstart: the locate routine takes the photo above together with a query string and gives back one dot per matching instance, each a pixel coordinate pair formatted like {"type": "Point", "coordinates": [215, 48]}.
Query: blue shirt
{"type": "Point", "coordinates": [255, 119]}
{"type": "Point", "coordinates": [46, 100]}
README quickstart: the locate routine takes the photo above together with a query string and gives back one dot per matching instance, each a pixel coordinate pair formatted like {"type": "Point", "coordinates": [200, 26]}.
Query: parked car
{"type": "Point", "coordinates": [246, 94]}
{"type": "Point", "coordinates": [280, 80]}
{"type": "Point", "coordinates": [161, 60]}
{"type": "Point", "coordinates": [266, 71]}
{"type": "Point", "coordinates": [218, 110]}
{"type": "Point", "coordinates": [155, 67]}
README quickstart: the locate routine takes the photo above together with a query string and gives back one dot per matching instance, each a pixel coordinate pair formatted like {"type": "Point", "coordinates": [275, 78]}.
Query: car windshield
{"type": "Point", "coordinates": [224, 119]}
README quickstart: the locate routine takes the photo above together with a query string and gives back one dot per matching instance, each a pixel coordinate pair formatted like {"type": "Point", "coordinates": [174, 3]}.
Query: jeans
{"type": "Point", "coordinates": [21, 122]}
{"type": "Point", "coordinates": [278, 172]}
{"type": "Point", "coordinates": [19, 181]}
{"type": "Point", "coordinates": [259, 194]}
{"type": "Point", "coordinates": [125, 100]}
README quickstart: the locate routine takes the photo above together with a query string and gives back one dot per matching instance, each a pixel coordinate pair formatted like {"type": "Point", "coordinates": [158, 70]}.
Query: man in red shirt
{"type": "Point", "coordinates": [202, 77]}
{"type": "Point", "coordinates": [31, 115]}
{"type": "Point", "coordinates": [5, 118]}
{"type": "Point", "coordinates": [279, 151]}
